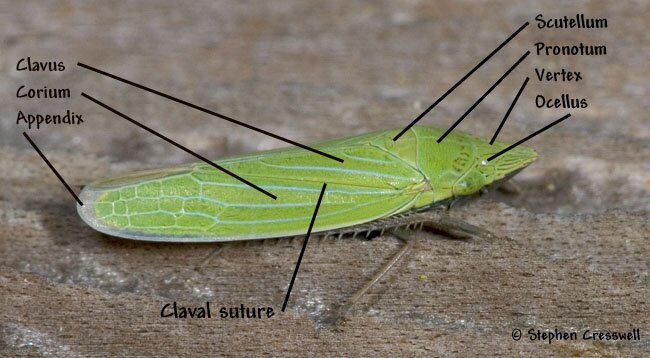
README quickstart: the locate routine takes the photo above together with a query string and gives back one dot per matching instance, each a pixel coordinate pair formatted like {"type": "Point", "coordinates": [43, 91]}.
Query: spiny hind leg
{"type": "Point", "coordinates": [406, 247]}
{"type": "Point", "coordinates": [456, 228]}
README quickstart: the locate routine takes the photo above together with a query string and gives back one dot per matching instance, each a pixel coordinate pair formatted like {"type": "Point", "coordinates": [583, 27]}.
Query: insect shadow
{"type": "Point", "coordinates": [399, 227]}
{"type": "Point", "coordinates": [66, 228]}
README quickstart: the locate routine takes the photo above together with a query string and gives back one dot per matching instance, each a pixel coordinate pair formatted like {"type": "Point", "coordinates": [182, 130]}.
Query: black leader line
{"type": "Point", "coordinates": [530, 136]}
{"type": "Point", "coordinates": [180, 146]}
{"type": "Point", "coordinates": [304, 246]}
{"type": "Point", "coordinates": [512, 105]}
{"type": "Point", "coordinates": [208, 111]}
{"type": "Point", "coordinates": [483, 96]}
{"type": "Point", "coordinates": [460, 81]}
{"type": "Point", "coordinates": [54, 170]}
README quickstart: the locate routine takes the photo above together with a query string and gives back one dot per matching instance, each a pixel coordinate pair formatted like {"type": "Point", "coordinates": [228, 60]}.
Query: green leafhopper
{"type": "Point", "coordinates": [379, 178]}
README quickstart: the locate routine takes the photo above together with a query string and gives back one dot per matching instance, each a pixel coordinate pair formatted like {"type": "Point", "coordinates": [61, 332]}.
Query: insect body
{"type": "Point", "coordinates": [378, 178]}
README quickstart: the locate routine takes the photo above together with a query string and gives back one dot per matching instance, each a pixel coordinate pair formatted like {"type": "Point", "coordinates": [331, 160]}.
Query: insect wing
{"type": "Point", "coordinates": [198, 203]}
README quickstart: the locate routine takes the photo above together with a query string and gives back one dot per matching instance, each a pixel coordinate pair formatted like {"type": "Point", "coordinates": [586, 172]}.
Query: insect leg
{"type": "Point", "coordinates": [212, 254]}
{"type": "Point", "coordinates": [456, 228]}
{"type": "Point", "coordinates": [408, 244]}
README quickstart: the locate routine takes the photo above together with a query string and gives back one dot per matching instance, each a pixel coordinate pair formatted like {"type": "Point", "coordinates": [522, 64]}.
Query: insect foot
{"type": "Point", "coordinates": [457, 229]}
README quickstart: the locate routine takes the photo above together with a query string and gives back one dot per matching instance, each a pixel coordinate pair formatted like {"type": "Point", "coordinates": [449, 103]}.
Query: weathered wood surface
{"type": "Point", "coordinates": [578, 253]}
